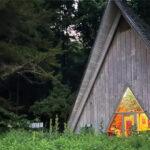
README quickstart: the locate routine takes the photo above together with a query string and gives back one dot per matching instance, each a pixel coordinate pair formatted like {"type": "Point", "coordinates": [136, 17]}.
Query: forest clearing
{"type": "Point", "coordinates": [75, 75]}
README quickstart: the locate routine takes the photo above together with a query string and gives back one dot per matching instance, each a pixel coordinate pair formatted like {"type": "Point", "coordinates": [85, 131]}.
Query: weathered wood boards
{"type": "Point", "coordinates": [120, 60]}
{"type": "Point", "coordinates": [125, 65]}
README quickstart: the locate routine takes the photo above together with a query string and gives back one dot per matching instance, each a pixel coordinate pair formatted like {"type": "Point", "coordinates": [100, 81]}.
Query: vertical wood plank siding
{"type": "Point", "coordinates": [126, 64]}
{"type": "Point", "coordinates": [96, 53]}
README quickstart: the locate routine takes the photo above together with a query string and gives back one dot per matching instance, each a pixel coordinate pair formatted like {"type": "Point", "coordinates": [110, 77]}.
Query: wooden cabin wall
{"type": "Point", "coordinates": [127, 64]}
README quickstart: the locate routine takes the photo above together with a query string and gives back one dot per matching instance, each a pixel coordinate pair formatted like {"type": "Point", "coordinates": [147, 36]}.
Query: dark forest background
{"type": "Point", "coordinates": [41, 62]}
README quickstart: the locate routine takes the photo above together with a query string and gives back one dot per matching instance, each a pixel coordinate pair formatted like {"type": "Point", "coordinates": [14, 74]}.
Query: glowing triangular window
{"type": "Point", "coordinates": [128, 114]}
{"type": "Point", "coordinates": [129, 103]}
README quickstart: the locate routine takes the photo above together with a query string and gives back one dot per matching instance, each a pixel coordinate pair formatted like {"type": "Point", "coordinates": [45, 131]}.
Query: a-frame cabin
{"type": "Point", "coordinates": [119, 63]}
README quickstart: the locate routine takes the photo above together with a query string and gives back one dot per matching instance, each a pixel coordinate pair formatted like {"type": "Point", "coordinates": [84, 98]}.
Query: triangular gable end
{"type": "Point", "coordinates": [115, 9]}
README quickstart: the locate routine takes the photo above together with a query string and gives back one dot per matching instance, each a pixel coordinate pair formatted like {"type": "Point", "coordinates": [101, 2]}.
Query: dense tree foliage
{"type": "Point", "coordinates": [88, 18]}
{"type": "Point", "coordinates": [32, 44]}
{"type": "Point", "coordinates": [41, 60]}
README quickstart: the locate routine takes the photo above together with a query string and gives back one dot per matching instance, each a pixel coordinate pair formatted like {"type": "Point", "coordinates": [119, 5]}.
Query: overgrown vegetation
{"type": "Point", "coordinates": [23, 140]}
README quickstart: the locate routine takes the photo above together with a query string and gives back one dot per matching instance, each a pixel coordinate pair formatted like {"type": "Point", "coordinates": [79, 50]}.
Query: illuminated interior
{"type": "Point", "coordinates": [129, 117]}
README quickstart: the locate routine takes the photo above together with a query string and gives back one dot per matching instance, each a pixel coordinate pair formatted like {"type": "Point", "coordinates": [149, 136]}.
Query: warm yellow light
{"type": "Point", "coordinates": [128, 114]}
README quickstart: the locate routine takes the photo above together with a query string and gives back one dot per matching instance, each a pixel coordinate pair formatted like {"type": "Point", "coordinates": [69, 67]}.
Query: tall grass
{"type": "Point", "coordinates": [32, 140]}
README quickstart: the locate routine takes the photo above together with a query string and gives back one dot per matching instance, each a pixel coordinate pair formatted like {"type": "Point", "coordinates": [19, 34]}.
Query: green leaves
{"type": "Point", "coordinates": [57, 103]}
{"type": "Point", "coordinates": [20, 139]}
{"type": "Point", "coordinates": [88, 18]}
{"type": "Point", "coordinates": [39, 63]}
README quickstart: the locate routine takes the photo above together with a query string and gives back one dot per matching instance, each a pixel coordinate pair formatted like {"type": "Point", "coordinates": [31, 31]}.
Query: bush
{"type": "Point", "coordinates": [10, 120]}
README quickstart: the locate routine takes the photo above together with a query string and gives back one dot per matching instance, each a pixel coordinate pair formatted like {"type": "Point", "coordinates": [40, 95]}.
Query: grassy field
{"type": "Point", "coordinates": [24, 140]}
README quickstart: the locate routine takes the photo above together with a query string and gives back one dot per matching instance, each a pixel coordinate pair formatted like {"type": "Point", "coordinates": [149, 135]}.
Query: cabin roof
{"type": "Point", "coordinates": [134, 21]}
{"type": "Point", "coordinates": [114, 10]}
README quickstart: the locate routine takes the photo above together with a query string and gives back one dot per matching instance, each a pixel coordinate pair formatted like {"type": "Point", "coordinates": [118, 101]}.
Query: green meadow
{"type": "Point", "coordinates": [33, 140]}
